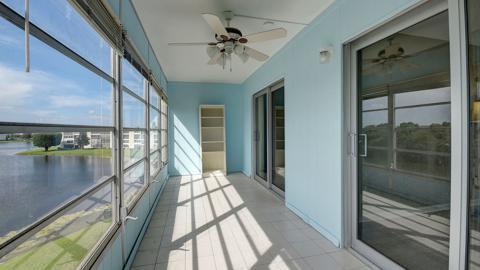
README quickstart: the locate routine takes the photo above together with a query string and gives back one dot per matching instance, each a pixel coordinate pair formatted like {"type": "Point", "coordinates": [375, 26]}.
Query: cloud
{"type": "Point", "coordinates": [16, 86]}
{"type": "Point", "coordinates": [36, 97]}
{"type": "Point", "coordinates": [9, 40]}
{"type": "Point", "coordinates": [62, 101]}
{"type": "Point", "coordinates": [43, 113]}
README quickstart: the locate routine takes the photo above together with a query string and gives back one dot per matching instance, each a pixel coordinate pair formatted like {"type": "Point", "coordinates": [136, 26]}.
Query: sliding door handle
{"type": "Point", "coordinates": [365, 141]}
{"type": "Point", "coordinates": [130, 218]}
{"type": "Point", "coordinates": [353, 144]}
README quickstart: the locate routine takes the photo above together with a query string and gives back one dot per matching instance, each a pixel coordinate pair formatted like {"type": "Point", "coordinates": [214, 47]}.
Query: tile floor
{"type": "Point", "coordinates": [216, 222]}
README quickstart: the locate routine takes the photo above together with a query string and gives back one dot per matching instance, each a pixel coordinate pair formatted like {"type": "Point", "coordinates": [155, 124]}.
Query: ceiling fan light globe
{"type": "Point", "coordinates": [212, 51]}
{"type": "Point", "coordinates": [239, 49]}
{"type": "Point", "coordinates": [243, 56]}
{"type": "Point", "coordinates": [220, 60]}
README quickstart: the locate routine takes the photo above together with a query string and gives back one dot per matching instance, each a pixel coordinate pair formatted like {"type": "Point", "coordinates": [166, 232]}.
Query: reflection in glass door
{"type": "Point", "coordinates": [278, 138]}
{"type": "Point", "coordinates": [403, 146]}
{"type": "Point", "coordinates": [260, 136]}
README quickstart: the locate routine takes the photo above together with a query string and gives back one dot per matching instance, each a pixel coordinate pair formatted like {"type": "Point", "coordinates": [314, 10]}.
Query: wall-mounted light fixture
{"type": "Point", "coordinates": [325, 55]}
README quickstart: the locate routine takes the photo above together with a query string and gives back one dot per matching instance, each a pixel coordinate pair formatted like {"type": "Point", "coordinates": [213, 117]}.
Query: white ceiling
{"type": "Point", "coordinates": [168, 21]}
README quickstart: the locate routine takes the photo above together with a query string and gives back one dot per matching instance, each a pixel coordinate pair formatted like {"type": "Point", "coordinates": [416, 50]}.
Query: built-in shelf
{"type": "Point", "coordinates": [279, 117]}
{"type": "Point", "coordinates": [212, 137]}
{"type": "Point", "coordinates": [212, 152]}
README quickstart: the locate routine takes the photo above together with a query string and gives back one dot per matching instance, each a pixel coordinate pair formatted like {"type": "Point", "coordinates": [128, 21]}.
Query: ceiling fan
{"type": "Point", "coordinates": [392, 54]}
{"type": "Point", "coordinates": [230, 40]}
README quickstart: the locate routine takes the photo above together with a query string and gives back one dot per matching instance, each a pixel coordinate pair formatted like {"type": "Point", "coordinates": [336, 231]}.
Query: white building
{"type": "Point", "coordinates": [96, 140]}
{"type": "Point", "coordinates": [133, 138]}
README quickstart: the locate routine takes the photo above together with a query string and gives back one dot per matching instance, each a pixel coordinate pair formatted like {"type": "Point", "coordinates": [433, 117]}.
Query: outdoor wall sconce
{"type": "Point", "coordinates": [325, 55]}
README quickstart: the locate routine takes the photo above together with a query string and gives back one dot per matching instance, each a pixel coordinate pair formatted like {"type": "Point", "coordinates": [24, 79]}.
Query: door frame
{"type": "Point", "coordinates": [267, 91]}
{"type": "Point", "coordinates": [459, 127]}
{"type": "Point", "coordinates": [275, 87]}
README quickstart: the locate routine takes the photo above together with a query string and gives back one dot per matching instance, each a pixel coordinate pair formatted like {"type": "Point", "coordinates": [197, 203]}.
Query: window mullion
{"type": "Point", "coordinates": [147, 135]}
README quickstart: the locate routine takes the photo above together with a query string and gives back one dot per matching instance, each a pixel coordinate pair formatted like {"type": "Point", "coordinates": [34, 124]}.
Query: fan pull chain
{"type": "Point", "coordinates": [27, 36]}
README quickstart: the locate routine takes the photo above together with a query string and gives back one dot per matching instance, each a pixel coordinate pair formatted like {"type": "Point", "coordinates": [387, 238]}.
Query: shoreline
{"type": "Point", "coordinates": [98, 152]}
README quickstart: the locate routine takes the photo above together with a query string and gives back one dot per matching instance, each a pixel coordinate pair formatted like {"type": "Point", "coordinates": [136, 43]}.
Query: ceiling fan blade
{"type": "Point", "coordinates": [215, 58]}
{"type": "Point", "coordinates": [406, 65]}
{"type": "Point", "coordinates": [259, 56]}
{"type": "Point", "coordinates": [373, 70]}
{"type": "Point", "coordinates": [181, 44]}
{"type": "Point", "coordinates": [216, 25]}
{"type": "Point", "coordinates": [372, 60]}
{"type": "Point", "coordinates": [264, 36]}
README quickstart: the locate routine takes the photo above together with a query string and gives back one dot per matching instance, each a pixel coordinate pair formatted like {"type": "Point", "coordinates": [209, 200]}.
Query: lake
{"type": "Point", "coordinates": [32, 186]}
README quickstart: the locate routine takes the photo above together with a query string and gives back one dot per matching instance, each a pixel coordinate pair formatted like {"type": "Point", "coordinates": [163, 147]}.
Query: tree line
{"type": "Point", "coordinates": [47, 140]}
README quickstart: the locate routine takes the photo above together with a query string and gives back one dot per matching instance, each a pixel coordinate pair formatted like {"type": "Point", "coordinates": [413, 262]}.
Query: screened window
{"type": "Point", "coordinates": [155, 132]}
{"type": "Point", "coordinates": [56, 140]}
{"type": "Point", "coordinates": [56, 91]}
{"type": "Point", "coordinates": [66, 241]}
{"type": "Point", "coordinates": [57, 137]}
{"type": "Point", "coordinates": [154, 98]}
{"type": "Point", "coordinates": [164, 130]}
{"type": "Point", "coordinates": [134, 108]}
{"type": "Point", "coordinates": [134, 181]}
{"type": "Point", "coordinates": [133, 79]}
{"type": "Point", "coordinates": [62, 21]}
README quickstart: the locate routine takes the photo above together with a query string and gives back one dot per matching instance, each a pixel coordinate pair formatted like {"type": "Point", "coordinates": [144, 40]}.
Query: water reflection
{"type": "Point", "coordinates": [31, 186]}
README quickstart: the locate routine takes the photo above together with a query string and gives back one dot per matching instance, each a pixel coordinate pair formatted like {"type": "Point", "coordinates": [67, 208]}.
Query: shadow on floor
{"type": "Point", "coordinates": [231, 222]}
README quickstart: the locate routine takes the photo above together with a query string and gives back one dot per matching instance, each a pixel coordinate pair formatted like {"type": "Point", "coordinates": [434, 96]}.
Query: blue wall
{"type": "Point", "coordinates": [313, 111]}
{"type": "Point", "coordinates": [184, 135]}
{"type": "Point", "coordinates": [313, 108]}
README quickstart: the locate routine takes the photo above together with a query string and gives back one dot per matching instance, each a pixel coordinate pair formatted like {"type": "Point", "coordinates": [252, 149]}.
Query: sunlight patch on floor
{"type": "Point", "coordinates": [218, 222]}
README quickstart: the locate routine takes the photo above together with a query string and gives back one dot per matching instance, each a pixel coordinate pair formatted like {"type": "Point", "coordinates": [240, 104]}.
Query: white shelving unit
{"type": "Point", "coordinates": [212, 137]}
{"type": "Point", "coordinates": [279, 133]}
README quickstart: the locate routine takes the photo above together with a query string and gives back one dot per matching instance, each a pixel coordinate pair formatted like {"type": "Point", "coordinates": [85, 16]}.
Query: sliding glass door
{"type": "Point", "coordinates": [473, 26]}
{"type": "Point", "coordinates": [402, 153]}
{"type": "Point", "coordinates": [260, 136]}
{"type": "Point", "coordinates": [269, 137]}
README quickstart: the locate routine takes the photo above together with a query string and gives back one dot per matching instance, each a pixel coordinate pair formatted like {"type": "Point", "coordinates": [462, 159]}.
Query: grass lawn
{"type": "Point", "coordinates": [65, 252]}
{"type": "Point", "coordinates": [12, 141]}
{"type": "Point", "coordinates": [54, 151]}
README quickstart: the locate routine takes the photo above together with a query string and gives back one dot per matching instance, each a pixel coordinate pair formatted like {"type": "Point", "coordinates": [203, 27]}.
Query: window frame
{"type": "Point", "coordinates": [164, 147]}
{"type": "Point", "coordinates": [158, 149]}
{"type": "Point", "coordinates": [15, 127]}
{"type": "Point", "coordinates": [118, 53]}
{"type": "Point", "coordinates": [157, 109]}
{"type": "Point", "coordinates": [146, 130]}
